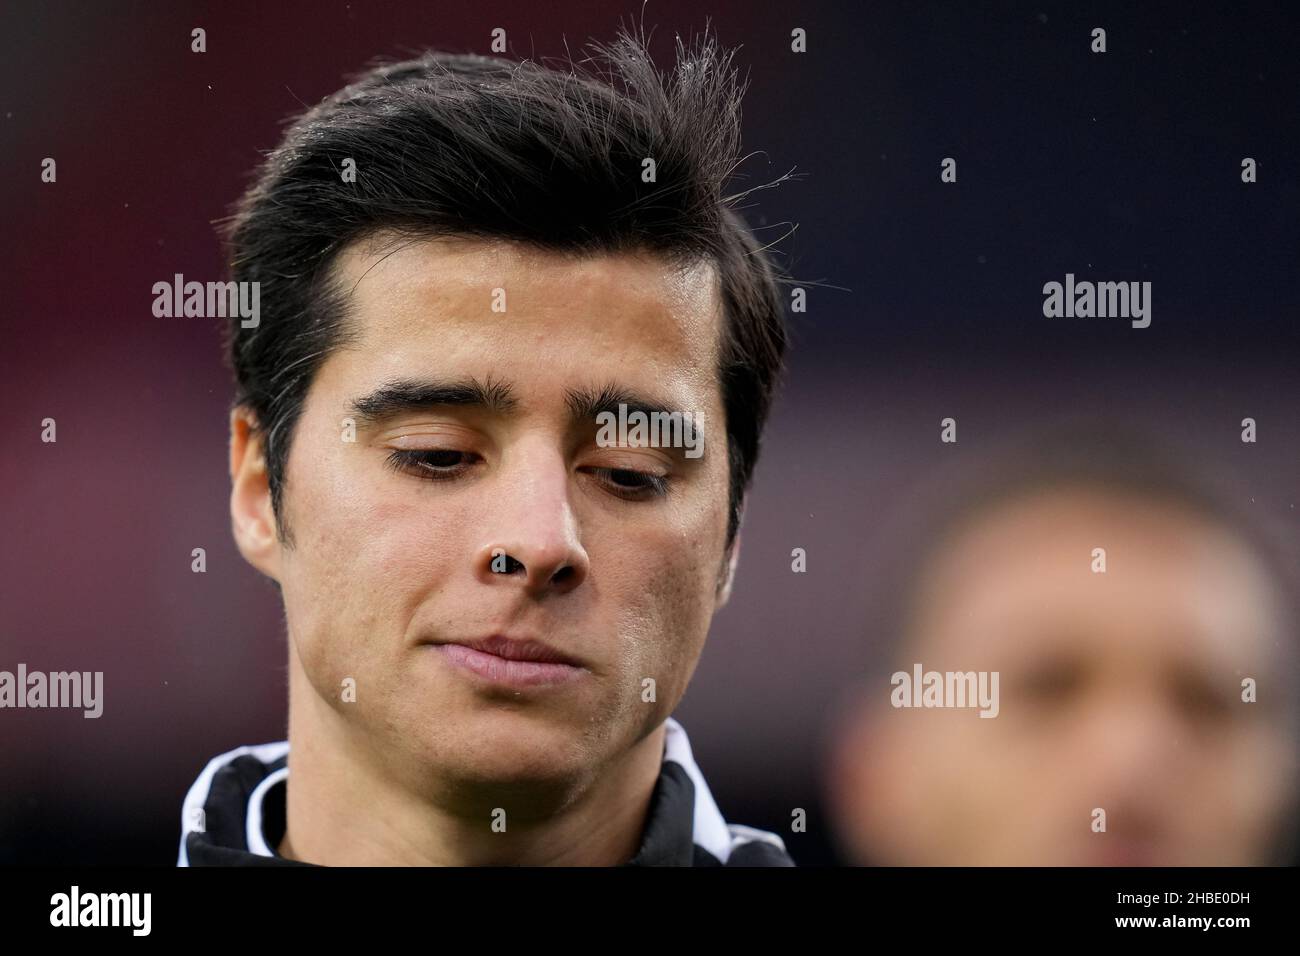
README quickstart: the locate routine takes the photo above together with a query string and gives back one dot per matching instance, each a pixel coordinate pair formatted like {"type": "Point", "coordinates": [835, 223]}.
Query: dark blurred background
{"type": "Point", "coordinates": [924, 301]}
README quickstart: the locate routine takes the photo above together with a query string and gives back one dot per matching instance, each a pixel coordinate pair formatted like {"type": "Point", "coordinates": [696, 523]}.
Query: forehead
{"type": "Point", "coordinates": [1025, 571]}
{"type": "Point", "coordinates": [504, 309]}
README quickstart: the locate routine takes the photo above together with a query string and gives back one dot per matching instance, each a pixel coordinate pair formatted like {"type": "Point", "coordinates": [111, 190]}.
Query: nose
{"type": "Point", "coordinates": [533, 539]}
{"type": "Point", "coordinates": [1132, 741]}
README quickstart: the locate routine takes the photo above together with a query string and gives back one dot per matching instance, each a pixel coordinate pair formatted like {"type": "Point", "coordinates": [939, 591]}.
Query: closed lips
{"type": "Point", "coordinates": [518, 650]}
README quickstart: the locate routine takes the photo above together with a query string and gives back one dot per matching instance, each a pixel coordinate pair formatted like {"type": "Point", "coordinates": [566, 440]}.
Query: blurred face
{"type": "Point", "coordinates": [500, 587]}
{"type": "Point", "coordinates": [1120, 691]}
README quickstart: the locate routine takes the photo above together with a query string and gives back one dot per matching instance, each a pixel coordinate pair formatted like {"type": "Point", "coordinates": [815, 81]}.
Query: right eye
{"type": "Point", "coordinates": [1050, 682]}
{"type": "Point", "coordinates": [434, 464]}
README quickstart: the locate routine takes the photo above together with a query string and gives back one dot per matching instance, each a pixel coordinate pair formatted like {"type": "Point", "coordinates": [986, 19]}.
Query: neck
{"type": "Point", "coordinates": [349, 805]}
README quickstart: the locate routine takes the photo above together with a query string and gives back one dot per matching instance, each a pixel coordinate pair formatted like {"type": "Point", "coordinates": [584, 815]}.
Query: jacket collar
{"type": "Point", "coordinates": [234, 814]}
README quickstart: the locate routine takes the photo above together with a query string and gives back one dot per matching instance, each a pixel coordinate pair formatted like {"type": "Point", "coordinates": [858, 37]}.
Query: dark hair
{"type": "Point", "coordinates": [483, 147]}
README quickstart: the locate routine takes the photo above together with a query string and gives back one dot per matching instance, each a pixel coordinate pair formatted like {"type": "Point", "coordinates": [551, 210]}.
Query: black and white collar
{"type": "Point", "coordinates": [234, 814]}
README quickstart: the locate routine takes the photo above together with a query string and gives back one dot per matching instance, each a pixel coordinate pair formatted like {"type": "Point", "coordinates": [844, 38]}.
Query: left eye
{"type": "Point", "coordinates": [431, 463]}
{"type": "Point", "coordinates": [627, 483]}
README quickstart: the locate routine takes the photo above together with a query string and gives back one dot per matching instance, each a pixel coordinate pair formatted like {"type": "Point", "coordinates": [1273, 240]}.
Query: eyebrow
{"type": "Point", "coordinates": [405, 396]}
{"type": "Point", "coordinates": [396, 398]}
{"type": "Point", "coordinates": [586, 404]}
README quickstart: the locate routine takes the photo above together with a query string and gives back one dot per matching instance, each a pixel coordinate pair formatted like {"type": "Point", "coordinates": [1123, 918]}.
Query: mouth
{"type": "Point", "coordinates": [510, 661]}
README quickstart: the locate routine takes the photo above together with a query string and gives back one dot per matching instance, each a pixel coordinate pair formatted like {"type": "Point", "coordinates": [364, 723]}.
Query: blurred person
{"type": "Point", "coordinates": [1119, 690]}
{"type": "Point", "coordinates": [492, 613]}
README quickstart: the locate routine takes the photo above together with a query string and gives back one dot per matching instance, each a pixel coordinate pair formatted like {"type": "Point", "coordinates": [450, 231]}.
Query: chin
{"type": "Point", "coordinates": [508, 747]}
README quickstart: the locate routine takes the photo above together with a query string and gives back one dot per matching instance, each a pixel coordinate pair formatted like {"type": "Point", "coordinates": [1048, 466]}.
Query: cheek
{"type": "Point", "coordinates": [665, 595]}
{"type": "Point", "coordinates": [361, 561]}
{"type": "Point", "coordinates": [1258, 787]}
{"type": "Point", "coordinates": [961, 787]}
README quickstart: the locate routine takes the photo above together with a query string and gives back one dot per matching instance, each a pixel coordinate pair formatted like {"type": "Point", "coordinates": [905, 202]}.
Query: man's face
{"type": "Point", "coordinates": [1118, 690]}
{"type": "Point", "coordinates": [394, 534]}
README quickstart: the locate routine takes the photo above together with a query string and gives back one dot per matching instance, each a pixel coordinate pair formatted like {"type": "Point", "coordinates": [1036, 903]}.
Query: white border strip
{"type": "Point", "coordinates": [254, 834]}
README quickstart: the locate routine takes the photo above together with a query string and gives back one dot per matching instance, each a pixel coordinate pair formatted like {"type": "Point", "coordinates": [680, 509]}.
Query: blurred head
{"type": "Point", "coordinates": [1120, 690]}
{"type": "Point", "coordinates": [414, 439]}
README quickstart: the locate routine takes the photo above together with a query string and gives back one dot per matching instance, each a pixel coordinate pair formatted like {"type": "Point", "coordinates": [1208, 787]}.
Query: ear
{"type": "Point", "coordinates": [729, 575]}
{"type": "Point", "coordinates": [251, 515]}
